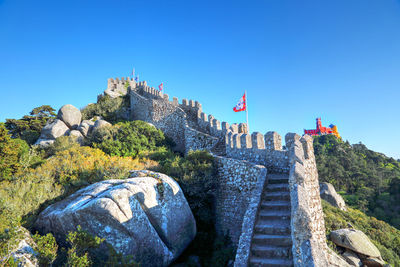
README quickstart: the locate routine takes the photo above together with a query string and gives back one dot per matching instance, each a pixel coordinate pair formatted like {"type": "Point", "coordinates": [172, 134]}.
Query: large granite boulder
{"type": "Point", "coordinates": [146, 216]}
{"type": "Point", "coordinates": [356, 241]}
{"type": "Point", "coordinates": [53, 130]}
{"type": "Point", "coordinates": [328, 193]}
{"type": "Point", "coordinates": [70, 115]}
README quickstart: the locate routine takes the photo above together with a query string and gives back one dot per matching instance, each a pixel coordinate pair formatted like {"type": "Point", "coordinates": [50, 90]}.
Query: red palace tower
{"type": "Point", "coordinates": [321, 130]}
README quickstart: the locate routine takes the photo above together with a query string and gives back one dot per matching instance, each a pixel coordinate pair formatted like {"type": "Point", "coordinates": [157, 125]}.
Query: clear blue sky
{"type": "Point", "coordinates": [298, 60]}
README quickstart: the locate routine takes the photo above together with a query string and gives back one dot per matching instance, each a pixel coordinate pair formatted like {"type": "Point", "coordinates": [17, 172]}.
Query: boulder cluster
{"type": "Point", "coordinates": [357, 249]}
{"type": "Point", "coordinates": [69, 123]}
{"type": "Point", "coordinates": [355, 246]}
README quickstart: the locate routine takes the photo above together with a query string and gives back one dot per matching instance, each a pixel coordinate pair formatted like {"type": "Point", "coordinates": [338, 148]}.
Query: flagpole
{"type": "Point", "coordinates": [247, 113]}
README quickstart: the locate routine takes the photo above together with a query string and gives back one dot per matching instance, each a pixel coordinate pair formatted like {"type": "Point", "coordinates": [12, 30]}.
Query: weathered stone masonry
{"type": "Point", "coordinates": [243, 161]}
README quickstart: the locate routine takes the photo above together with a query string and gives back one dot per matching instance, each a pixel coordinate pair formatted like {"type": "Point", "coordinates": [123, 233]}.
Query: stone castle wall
{"type": "Point", "coordinates": [239, 183]}
{"type": "Point", "coordinates": [242, 170]}
{"type": "Point", "coordinates": [307, 218]}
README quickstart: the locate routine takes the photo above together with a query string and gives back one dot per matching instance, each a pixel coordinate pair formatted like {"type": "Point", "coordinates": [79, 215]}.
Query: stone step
{"type": "Point", "coordinates": [271, 252]}
{"type": "Point", "coordinates": [268, 228]}
{"type": "Point", "coordinates": [275, 205]}
{"type": "Point", "coordinates": [278, 179]}
{"type": "Point", "coordinates": [261, 262]}
{"type": "Point", "coordinates": [276, 196]}
{"type": "Point", "coordinates": [272, 240]}
{"type": "Point", "coordinates": [277, 187]}
{"type": "Point", "coordinates": [274, 215]}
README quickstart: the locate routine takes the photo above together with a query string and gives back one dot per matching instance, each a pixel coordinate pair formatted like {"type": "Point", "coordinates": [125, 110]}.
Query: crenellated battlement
{"type": "Point", "coordinates": [232, 140]}
{"type": "Point", "coordinates": [258, 148]}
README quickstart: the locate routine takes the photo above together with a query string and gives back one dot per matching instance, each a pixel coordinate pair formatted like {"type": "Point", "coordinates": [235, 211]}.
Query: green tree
{"type": "Point", "coordinates": [29, 126]}
{"type": "Point", "coordinates": [10, 151]}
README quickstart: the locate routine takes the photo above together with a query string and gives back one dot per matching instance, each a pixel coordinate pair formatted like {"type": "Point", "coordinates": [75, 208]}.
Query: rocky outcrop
{"type": "Point", "coordinates": [52, 131]}
{"type": "Point", "coordinates": [356, 241]}
{"type": "Point", "coordinates": [23, 251]}
{"type": "Point", "coordinates": [146, 216]}
{"type": "Point", "coordinates": [328, 193]}
{"type": "Point", "coordinates": [69, 124]}
{"type": "Point", "coordinates": [70, 115]}
{"type": "Point", "coordinates": [358, 246]}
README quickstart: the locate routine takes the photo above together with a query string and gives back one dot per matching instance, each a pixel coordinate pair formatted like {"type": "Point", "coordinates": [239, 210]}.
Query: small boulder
{"type": "Point", "coordinates": [86, 127]}
{"type": "Point", "coordinates": [328, 193]}
{"type": "Point", "coordinates": [53, 130]}
{"type": "Point", "coordinates": [373, 262]}
{"type": "Point", "coordinates": [77, 136]}
{"type": "Point", "coordinates": [100, 124]}
{"type": "Point", "coordinates": [70, 115]}
{"type": "Point", "coordinates": [146, 216]}
{"type": "Point", "coordinates": [44, 142]}
{"type": "Point", "coordinates": [356, 241]}
{"type": "Point", "coordinates": [352, 258]}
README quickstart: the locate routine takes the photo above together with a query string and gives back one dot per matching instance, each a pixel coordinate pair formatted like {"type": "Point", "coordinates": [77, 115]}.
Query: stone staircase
{"type": "Point", "coordinates": [271, 244]}
{"type": "Point", "coordinates": [219, 149]}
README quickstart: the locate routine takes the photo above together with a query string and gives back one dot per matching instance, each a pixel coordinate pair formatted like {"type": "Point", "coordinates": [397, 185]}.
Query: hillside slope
{"type": "Point", "coordinates": [369, 181]}
{"type": "Point", "coordinates": [385, 237]}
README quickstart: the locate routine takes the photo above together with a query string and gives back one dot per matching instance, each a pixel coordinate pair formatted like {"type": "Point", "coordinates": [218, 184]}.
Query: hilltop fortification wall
{"type": "Point", "coordinates": [239, 183]}
{"type": "Point", "coordinates": [307, 218]}
{"type": "Point", "coordinates": [243, 160]}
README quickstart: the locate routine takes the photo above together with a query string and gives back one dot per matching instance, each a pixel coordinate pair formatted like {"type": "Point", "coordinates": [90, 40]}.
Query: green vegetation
{"type": "Point", "coordinates": [110, 109]}
{"type": "Point", "coordinates": [385, 237]}
{"type": "Point", "coordinates": [47, 247]}
{"type": "Point", "coordinates": [195, 174]}
{"type": "Point", "coordinates": [28, 128]}
{"type": "Point", "coordinates": [368, 180]}
{"type": "Point", "coordinates": [10, 152]}
{"type": "Point", "coordinates": [127, 139]}
{"type": "Point", "coordinates": [40, 177]}
{"type": "Point", "coordinates": [81, 243]}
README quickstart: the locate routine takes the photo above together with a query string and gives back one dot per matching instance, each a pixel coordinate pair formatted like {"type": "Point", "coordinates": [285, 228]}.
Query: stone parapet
{"type": "Point", "coordinates": [307, 220]}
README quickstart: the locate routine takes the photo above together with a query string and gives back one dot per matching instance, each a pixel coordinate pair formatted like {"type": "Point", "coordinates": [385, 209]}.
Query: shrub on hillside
{"type": "Point", "coordinates": [62, 143]}
{"type": "Point", "coordinates": [128, 139]}
{"type": "Point", "coordinates": [11, 151]}
{"type": "Point", "coordinates": [46, 247]}
{"type": "Point", "coordinates": [110, 109]}
{"type": "Point", "coordinates": [385, 237]}
{"type": "Point", "coordinates": [60, 176]}
{"type": "Point", "coordinates": [81, 243]}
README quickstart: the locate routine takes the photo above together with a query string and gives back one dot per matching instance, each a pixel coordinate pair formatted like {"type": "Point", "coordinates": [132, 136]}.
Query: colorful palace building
{"type": "Point", "coordinates": [332, 129]}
